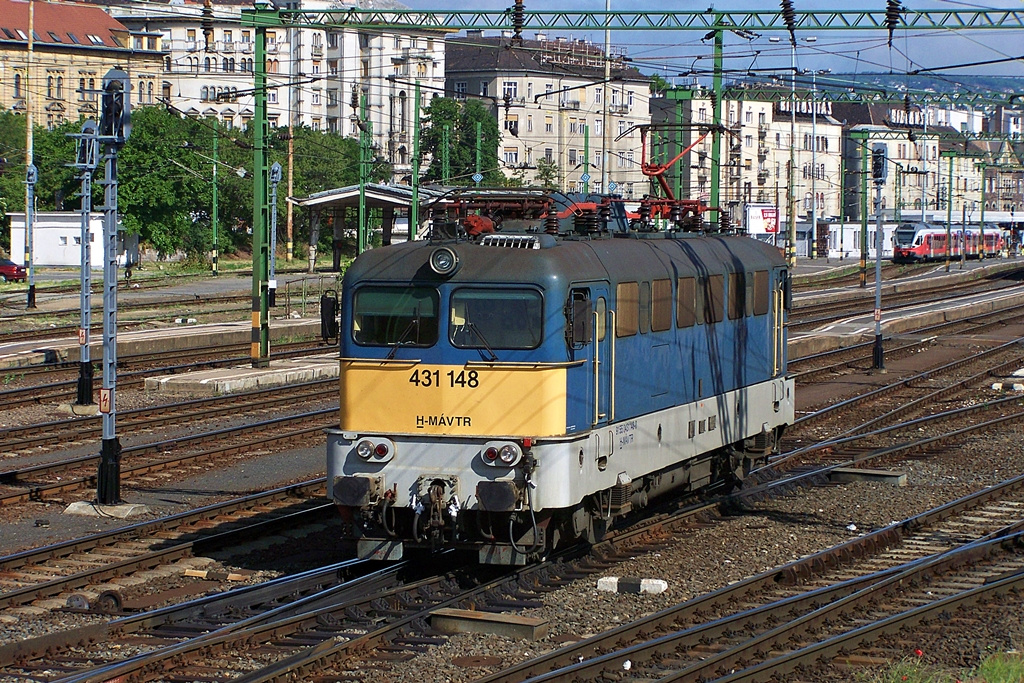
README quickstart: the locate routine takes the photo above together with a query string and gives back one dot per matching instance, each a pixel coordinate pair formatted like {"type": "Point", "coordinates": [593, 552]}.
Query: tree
{"type": "Point", "coordinates": [461, 118]}
{"type": "Point", "coordinates": [659, 85]}
{"type": "Point", "coordinates": [547, 173]}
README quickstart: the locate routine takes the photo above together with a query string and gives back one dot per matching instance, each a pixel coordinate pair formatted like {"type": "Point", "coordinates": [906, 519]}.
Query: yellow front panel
{"type": "Point", "coordinates": [477, 400]}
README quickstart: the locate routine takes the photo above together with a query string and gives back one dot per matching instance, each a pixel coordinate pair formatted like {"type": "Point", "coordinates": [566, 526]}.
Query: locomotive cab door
{"type": "Point", "coordinates": [591, 343]}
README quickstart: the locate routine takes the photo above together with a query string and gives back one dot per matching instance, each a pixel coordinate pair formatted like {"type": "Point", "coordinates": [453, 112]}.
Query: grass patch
{"type": "Point", "coordinates": [1003, 667]}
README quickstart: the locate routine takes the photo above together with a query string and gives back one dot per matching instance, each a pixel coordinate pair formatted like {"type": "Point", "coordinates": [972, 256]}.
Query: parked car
{"type": "Point", "coordinates": [11, 271]}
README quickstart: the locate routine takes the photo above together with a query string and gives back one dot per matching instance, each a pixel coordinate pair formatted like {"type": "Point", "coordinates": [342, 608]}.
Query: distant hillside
{"type": "Point", "coordinates": [946, 83]}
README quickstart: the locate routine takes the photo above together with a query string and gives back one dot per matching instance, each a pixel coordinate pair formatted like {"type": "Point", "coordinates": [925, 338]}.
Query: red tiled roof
{"type": "Point", "coordinates": [71, 23]}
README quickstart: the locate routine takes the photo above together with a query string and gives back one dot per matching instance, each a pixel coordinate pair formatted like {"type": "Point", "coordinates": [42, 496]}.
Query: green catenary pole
{"type": "Point", "coordinates": [213, 217]}
{"type": "Point", "coordinates": [263, 17]}
{"type": "Point", "coordinates": [716, 135]}
{"type": "Point", "coordinates": [414, 210]}
{"type": "Point", "coordinates": [364, 162]}
{"type": "Point", "coordinates": [479, 143]}
{"type": "Point", "coordinates": [446, 145]}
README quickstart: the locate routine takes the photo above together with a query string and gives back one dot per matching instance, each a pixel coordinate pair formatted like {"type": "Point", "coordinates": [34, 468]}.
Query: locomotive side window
{"type": "Point", "coordinates": [714, 299]}
{"type": "Point", "coordinates": [386, 316]}
{"type": "Point", "coordinates": [496, 319]}
{"type": "Point", "coordinates": [601, 307]}
{"type": "Point", "coordinates": [737, 296]}
{"type": "Point", "coordinates": [644, 308]}
{"type": "Point", "coordinates": [762, 292]}
{"type": "Point", "coordinates": [627, 304]}
{"type": "Point", "coordinates": [686, 304]}
{"type": "Point", "coordinates": [661, 305]}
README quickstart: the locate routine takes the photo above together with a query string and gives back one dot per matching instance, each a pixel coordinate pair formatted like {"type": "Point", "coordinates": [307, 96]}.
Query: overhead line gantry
{"type": "Point", "coordinates": [517, 19]}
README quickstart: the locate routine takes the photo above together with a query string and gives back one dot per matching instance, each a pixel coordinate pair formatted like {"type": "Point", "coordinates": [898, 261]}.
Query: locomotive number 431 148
{"type": "Point", "coordinates": [432, 378]}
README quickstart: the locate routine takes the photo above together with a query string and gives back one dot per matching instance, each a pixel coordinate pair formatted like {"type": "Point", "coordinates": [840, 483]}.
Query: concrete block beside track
{"type": "Point", "coordinates": [247, 378]}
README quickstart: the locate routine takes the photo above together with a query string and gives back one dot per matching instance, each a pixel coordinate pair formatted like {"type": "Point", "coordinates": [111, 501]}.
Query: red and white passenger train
{"type": "Point", "coordinates": [928, 241]}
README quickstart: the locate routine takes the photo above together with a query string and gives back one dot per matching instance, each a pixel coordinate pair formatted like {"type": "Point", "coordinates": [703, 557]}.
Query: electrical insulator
{"type": "Point", "coordinates": [517, 23]}
{"type": "Point", "coordinates": [789, 16]}
{"type": "Point", "coordinates": [892, 16]}
{"type": "Point", "coordinates": [724, 224]}
{"type": "Point", "coordinates": [879, 168]}
{"type": "Point", "coordinates": [207, 24]}
{"type": "Point", "coordinates": [551, 222]}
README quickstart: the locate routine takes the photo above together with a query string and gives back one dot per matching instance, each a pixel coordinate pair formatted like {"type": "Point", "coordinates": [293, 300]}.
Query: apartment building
{"type": "Point", "coordinates": [552, 102]}
{"type": "Point", "coordinates": [317, 76]}
{"type": "Point", "coordinates": [73, 47]}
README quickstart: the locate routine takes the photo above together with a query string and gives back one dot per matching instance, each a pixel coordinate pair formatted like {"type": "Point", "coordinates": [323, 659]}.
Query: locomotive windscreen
{"type": "Point", "coordinates": [390, 315]}
{"type": "Point", "coordinates": [496, 319]}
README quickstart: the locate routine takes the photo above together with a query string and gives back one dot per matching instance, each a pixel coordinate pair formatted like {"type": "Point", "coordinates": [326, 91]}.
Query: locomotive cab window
{"type": "Point", "coordinates": [389, 315]}
{"type": "Point", "coordinates": [496, 319]}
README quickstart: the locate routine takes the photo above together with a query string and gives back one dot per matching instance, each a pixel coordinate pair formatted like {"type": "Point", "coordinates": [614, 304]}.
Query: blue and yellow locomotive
{"type": "Point", "coordinates": [516, 390]}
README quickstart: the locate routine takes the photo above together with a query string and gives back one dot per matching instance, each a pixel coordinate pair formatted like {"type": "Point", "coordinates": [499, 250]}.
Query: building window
{"type": "Point", "coordinates": [49, 87]}
{"type": "Point", "coordinates": [510, 89]}
{"type": "Point", "coordinates": [529, 123]}
{"type": "Point", "coordinates": [17, 86]}
{"type": "Point", "coordinates": [629, 158]}
{"type": "Point", "coordinates": [272, 96]}
{"type": "Point", "coordinates": [598, 126]}
{"type": "Point", "coordinates": [461, 88]}
{"type": "Point", "coordinates": [316, 97]}
{"type": "Point", "coordinates": [549, 124]}
{"type": "Point", "coordinates": [572, 157]}
{"type": "Point", "coordinates": [483, 89]}
{"type": "Point", "coordinates": [622, 127]}
{"type": "Point", "coordinates": [511, 156]}
{"type": "Point", "coordinates": [629, 98]}
{"type": "Point", "coordinates": [206, 65]}
{"type": "Point", "coordinates": [549, 155]}
{"type": "Point", "coordinates": [598, 95]}
{"type": "Point", "coordinates": [548, 88]}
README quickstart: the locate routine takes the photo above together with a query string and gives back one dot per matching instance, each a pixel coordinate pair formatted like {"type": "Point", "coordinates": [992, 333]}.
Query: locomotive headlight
{"type": "Point", "coordinates": [444, 261]}
{"type": "Point", "coordinates": [490, 454]}
{"type": "Point", "coordinates": [364, 449]}
{"type": "Point", "coordinates": [508, 454]}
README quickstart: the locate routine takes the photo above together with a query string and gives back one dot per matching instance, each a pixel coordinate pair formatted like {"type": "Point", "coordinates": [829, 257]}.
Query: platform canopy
{"type": "Point", "coordinates": [378, 196]}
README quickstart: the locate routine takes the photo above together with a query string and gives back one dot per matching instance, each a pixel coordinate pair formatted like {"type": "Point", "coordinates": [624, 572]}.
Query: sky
{"type": "Point", "coordinates": [670, 54]}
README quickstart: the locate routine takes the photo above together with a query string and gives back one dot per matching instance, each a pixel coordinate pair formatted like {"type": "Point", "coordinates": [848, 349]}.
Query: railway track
{"type": "Point", "coordinates": [59, 433]}
{"type": "Point", "coordinates": [824, 605]}
{"type": "Point", "coordinates": [912, 395]}
{"type": "Point", "coordinates": [812, 315]}
{"type": "Point", "coordinates": [72, 474]}
{"type": "Point", "coordinates": [63, 570]}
